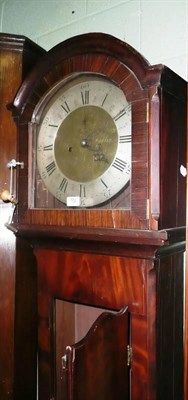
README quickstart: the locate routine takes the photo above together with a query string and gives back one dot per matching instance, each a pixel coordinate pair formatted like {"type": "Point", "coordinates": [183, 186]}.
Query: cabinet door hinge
{"type": "Point", "coordinates": [129, 355]}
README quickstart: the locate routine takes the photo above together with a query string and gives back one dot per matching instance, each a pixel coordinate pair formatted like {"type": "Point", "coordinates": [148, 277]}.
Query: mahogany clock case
{"type": "Point", "coordinates": [75, 257]}
{"type": "Point", "coordinates": [157, 97]}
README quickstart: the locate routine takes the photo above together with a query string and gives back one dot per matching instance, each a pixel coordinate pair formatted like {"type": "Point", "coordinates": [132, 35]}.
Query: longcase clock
{"type": "Point", "coordinates": [102, 135]}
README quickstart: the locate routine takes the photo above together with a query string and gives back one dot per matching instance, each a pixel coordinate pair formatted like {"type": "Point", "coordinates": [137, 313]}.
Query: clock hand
{"type": "Point", "coordinates": [97, 150]}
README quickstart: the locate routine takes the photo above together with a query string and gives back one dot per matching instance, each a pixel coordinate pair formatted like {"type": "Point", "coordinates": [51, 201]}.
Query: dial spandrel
{"type": "Point", "coordinates": [84, 142]}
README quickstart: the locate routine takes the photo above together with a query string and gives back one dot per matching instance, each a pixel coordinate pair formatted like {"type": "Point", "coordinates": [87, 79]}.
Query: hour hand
{"type": "Point", "coordinates": [97, 150]}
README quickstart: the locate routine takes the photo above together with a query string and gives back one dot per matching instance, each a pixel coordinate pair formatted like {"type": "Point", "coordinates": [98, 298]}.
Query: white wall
{"type": "Point", "coordinates": [158, 29]}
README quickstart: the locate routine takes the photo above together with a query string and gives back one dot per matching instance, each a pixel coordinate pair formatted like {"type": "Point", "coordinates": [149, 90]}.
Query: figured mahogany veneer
{"type": "Point", "coordinates": [76, 270]}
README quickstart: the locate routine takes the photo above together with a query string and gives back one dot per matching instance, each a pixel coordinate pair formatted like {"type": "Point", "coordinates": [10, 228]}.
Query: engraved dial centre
{"type": "Point", "coordinates": [91, 134]}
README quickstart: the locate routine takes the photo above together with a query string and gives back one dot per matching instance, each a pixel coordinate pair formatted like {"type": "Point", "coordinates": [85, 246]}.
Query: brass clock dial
{"type": "Point", "coordinates": [84, 141]}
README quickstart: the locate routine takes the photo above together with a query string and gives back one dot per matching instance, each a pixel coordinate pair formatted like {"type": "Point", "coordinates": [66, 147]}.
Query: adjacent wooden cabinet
{"type": "Point", "coordinates": [17, 56]}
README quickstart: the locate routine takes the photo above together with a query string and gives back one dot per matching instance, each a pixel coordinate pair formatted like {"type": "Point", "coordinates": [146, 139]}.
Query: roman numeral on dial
{"type": "Point", "coordinates": [102, 181]}
{"type": "Point", "coordinates": [121, 113]}
{"type": "Point", "coordinates": [48, 147]}
{"type": "Point", "coordinates": [50, 168]}
{"type": "Point", "coordinates": [63, 185]}
{"type": "Point", "coordinates": [85, 97]}
{"type": "Point", "coordinates": [82, 191]}
{"type": "Point", "coordinates": [104, 99]}
{"type": "Point", "coordinates": [65, 107]}
{"type": "Point", "coordinates": [125, 139]}
{"type": "Point", "coordinates": [119, 164]}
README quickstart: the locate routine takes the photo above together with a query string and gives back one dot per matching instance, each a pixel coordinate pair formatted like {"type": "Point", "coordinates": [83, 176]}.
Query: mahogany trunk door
{"type": "Point", "coordinates": [95, 368]}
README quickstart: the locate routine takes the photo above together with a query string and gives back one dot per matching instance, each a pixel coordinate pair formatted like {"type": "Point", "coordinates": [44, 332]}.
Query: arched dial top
{"type": "Point", "coordinates": [84, 141]}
